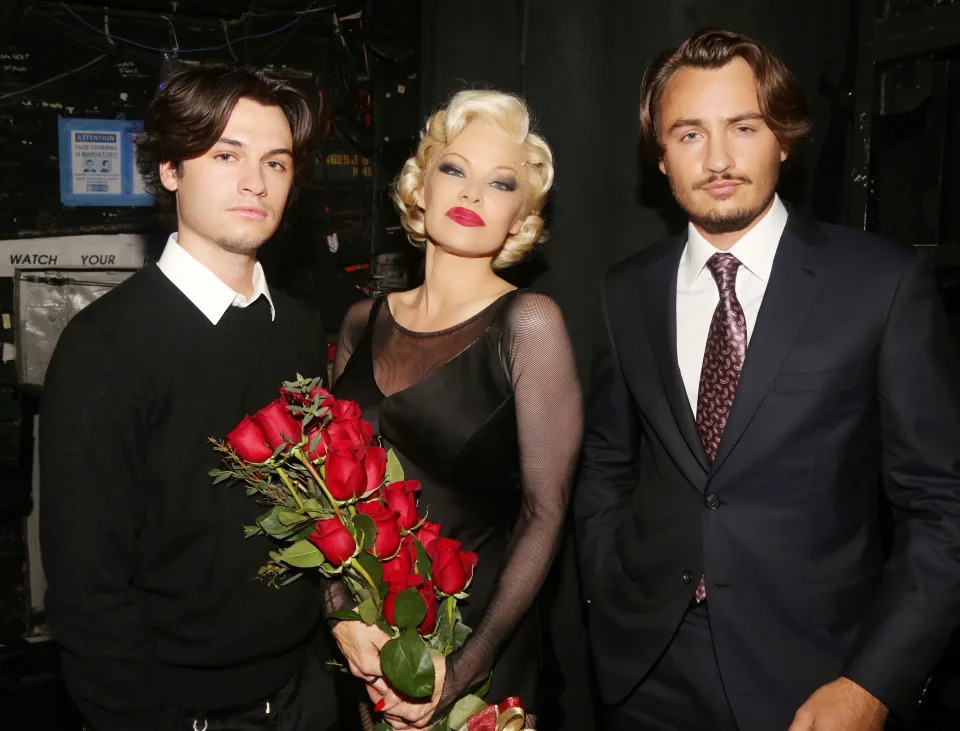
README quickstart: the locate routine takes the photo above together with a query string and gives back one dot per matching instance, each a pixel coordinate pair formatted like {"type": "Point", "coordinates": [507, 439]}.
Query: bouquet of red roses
{"type": "Point", "coordinates": [339, 504]}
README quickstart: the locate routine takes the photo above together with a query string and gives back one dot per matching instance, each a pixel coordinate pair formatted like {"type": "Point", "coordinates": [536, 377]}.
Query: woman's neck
{"type": "Point", "coordinates": [454, 288]}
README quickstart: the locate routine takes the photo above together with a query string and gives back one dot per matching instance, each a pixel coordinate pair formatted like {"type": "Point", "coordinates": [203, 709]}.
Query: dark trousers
{"type": "Point", "coordinates": [683, 691]}
{"type": "Point", "coordinates": [307, 702]}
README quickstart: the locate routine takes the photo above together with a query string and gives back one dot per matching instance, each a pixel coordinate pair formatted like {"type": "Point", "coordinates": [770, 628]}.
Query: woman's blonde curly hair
{"type": "Point", "coordinates": [506, 112]}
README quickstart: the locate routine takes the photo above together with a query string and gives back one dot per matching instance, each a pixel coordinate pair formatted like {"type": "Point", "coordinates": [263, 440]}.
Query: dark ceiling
{"type": "Point", "coordinates": [213, 8]}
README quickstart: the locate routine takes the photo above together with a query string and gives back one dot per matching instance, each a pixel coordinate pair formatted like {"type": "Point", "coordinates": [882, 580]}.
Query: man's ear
{"type": "Point", "coordinates": [169, 177]}
{"type": "Point", "coordinates": [784, 154]}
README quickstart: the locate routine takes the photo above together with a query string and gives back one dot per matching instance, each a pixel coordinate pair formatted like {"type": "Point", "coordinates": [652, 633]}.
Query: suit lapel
{"type": "Point", "coordinates": [795, 283]}
{"type": "Point", "coordinates": [660, 313]}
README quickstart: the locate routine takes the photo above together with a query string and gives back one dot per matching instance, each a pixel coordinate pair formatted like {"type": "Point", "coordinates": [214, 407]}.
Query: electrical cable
{"type": "Point", "coordinates": [54, 78]}
{"type": "Point", "coordinates": [204, 49]}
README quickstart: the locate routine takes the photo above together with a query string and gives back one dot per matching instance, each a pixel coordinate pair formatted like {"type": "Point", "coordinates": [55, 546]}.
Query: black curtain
{"type": "Point", "coordinates": [579, 65]}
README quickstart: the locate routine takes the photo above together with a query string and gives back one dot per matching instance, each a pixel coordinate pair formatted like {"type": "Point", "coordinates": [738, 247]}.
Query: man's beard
{"type": "Point", "coordinates": [239, 245]}
{"type": "Point", "coordinates": [723, 222]}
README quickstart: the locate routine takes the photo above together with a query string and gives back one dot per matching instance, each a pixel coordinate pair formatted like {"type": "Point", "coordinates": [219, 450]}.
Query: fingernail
{"type": "Point", "coordinates": [380, 704]}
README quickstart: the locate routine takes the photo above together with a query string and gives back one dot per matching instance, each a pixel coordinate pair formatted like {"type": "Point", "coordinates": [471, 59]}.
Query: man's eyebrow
{"type": "Point", "coordinates": [744, 117]}
{"type": "Point", "coordinates": [694, 122]}
{"type": "Point", "coordinates": [686, 122]}
{"type": "Point", "coordinates": [239, 143]}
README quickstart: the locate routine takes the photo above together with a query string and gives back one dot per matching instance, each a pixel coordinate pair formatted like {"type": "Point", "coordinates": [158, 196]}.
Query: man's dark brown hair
{"type": "Point", "coordinates": [781, 101]}
{"type": "Point", "coordinates": [191, 110]}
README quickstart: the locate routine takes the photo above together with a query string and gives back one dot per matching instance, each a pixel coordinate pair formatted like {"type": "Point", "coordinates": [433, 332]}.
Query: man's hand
{"type": "Point", "coordinates": [840, 706]}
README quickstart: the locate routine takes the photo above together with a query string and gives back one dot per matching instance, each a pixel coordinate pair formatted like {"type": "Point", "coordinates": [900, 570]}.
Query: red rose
{"type": "Point", "coordinates": [321, 447]}
{"type": "Point", "coordinates": [375, 464]}
{"type": "Point", "coordinates": [404, 563]}
{"type": "Point", "coordinates": [277, 424]}
{"type": "Point", "coordinates": [344, 409]}
{"type": "Point", "coordinates": [248, 442]}
{"type": "Point", "coordinates": [399, 496]}
{"type": "Point", "coordinates": [333, 540]}
{"type": "Point", "coordinates": [428, 533]}
{"type": "Point", "coordinates": [452, 568]}
{"type": "Point", "coordinates": [425, 589]}
{"type": "Point", "coordinates": [348, 434]}
{"type": "Point", "coordinates": [345, 474]}
{"type": "Point", "coordinates": [388, 530]}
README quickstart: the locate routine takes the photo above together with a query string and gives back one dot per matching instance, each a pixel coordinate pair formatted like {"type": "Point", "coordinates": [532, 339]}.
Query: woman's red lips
{"type": "Point", "coordinates": [465, 217]}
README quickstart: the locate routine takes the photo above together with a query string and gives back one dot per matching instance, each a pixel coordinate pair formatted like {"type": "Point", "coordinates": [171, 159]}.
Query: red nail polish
{"type": "Point", "coordinates": [380, 704]}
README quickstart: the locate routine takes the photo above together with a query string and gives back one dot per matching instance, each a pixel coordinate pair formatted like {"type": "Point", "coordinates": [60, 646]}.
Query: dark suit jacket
{"type": "Point", "coordinates": [850, 382]}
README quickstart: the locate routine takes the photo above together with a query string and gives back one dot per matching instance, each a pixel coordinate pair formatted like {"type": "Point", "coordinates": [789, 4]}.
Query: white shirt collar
{"type": "Point", "coordinates": [204, 288]}
{"type": "Point", "coordinates": [755, 250]}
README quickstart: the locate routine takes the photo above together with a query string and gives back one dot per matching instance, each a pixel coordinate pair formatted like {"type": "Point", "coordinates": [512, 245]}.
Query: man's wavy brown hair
{"type": "Point", "coordinates": [190, 111]}
{"type": "Point", "coordinates": [781, 100]}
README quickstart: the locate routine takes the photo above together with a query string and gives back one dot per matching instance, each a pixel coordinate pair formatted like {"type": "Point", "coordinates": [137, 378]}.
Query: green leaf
{"type": "Point", "coordinates": [291, 518]}
{"type": "Point", "coordinates": [303, 532]}
{"type": "Point", "coordinates": [408, 665]}
{"type": "Point", "coordinates": [372, 566]}
{"type": "Point", "coordinates": [383, 727]}
{"type": "Point", "coordinates": [444, 629]}
{"type": "Point", "coordinates": [345, 614]}
{"type": "Point", "coordinates": [460, 634]}
{"type": "Point", "coordinates": [222, 477]}
{"type": "Point", "coordinates": [368, 611]}
{"type": "Point", "coordinates": [271, 523]}
{"type": "Point", "coordinates": [251, 530]}
{"type": "Point", "coordinates": [423, 561]}
{"type": "Point", "coordinates": [385, 626]}
{"type": "Point", "coordinates": [394, 468]}
{"type": "Point", "coordinates": [410, 609]}
{"type": "Point", "coordinates": [464, 708]}
{"type": "Point", "coordinates": [302, 554]}
{"type": "Point", "coordinates": [366, 530]}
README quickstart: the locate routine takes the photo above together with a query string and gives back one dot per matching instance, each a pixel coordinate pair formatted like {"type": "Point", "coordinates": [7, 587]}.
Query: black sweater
{"type": "Point", "coordinates": [152, 587]}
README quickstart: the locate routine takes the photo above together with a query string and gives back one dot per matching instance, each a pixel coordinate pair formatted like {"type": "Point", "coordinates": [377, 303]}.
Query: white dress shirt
{"type": "Point", "coordinates": [697, 292]}
{"type": "Point", "coordinates": [204, 288]}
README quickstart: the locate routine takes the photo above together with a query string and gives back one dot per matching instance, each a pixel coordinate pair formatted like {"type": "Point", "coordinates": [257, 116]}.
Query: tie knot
{"type": "Point", "coordinates": [724, 267]}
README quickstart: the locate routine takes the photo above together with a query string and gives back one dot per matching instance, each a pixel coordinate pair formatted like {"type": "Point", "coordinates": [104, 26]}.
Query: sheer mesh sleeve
{"type": "Point", "coordinates": [538, 358]}
{"type": "Point", "coordinates": [350, 331]}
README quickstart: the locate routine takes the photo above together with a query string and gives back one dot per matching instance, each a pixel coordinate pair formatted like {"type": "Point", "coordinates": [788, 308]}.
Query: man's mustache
{"type": "Point", "coordinates": [726, 176]}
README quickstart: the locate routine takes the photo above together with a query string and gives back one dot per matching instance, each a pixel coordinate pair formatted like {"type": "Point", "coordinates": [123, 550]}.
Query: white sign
{"type": "Point", "coordinates": [96, 161]}
{"type": "Point", "coordinates": [117, 251]}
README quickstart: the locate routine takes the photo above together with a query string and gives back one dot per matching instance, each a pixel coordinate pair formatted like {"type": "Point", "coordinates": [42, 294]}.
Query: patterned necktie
{"type": "Point", "coordinates": [722, 362]}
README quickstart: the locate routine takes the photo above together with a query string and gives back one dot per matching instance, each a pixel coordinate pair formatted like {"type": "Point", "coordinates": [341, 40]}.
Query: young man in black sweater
{"type": "Point", "coordinates": [153, 591]}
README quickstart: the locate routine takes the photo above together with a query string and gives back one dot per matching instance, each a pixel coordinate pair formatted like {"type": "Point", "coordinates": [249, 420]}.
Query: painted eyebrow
{"type": "Point", "coordinates": [499, 167]}
{"type": "Point", "coordinates": [238, 143]}
{"type": "Point", "coordinates": [693, 122]}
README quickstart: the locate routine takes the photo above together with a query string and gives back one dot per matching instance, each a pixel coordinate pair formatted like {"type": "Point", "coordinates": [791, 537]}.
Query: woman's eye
{"type": "Point", "coordinates": [505, 185]}
{"type": "Point", "coordinates": [449, 169]}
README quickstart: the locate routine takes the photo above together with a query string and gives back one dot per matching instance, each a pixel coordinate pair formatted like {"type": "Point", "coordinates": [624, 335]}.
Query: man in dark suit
{"type": "Point", "coordinates": [762, 386]}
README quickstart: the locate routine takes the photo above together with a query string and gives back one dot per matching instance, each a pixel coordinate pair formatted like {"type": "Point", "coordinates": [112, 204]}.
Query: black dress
{"type": "Point", "coordinates": [487, 415]}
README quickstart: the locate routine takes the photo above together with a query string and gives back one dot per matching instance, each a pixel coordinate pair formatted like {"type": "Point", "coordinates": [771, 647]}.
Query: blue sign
{"type": "Point", "coordinates": [97, 164]}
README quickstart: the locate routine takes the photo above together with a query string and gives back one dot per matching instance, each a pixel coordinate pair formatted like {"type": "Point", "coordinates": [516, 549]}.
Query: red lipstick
{"type": "Point", "coordinates": [465, 217]}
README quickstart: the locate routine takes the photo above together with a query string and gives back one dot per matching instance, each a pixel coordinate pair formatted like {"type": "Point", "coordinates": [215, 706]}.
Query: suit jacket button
{"type": "Point", "coordinates": [687, 577]}
{"type": "Point", "coordinates": [713, 502]}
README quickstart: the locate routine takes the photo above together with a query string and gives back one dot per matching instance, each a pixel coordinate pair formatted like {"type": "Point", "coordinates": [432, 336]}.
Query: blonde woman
{"type": "Point", "coordinates": [473, 383]}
